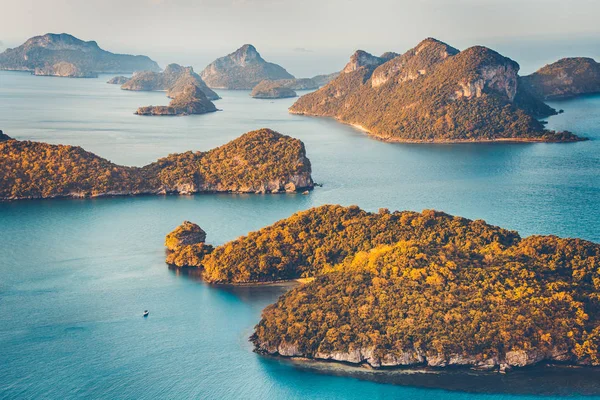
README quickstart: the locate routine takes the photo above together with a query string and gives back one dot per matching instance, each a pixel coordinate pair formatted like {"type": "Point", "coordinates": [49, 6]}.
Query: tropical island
{"type": "Point", "coordinates": [434, 93]}
{"type": "Point", "coordinates": [282, 88]}
{"type": "Point", "coordinates": [242, 69]}
{"type": "Point", "coordinates": [566, 78]}
{"type": "Point", "coordinates": [393, 289]}
{"type": "Point", "coordinates": [118, 80]}
{"type": "Point", "coordinates": [67, 56]}
{"type": "Point", "coordinates": [173, 80]}
{"type": "Point", "coordinates": [190, 101]}
{"type": "Point", "coordinates": [261, 161]}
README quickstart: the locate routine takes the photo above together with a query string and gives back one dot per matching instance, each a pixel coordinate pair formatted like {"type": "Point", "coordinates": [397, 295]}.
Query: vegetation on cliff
{"type": "Point", "coordinates": [242, 69]}
{"type": "Point", "coordinates": [47, 51]}
{"type": "Point", "coordinates": [64, 69]}
{"type": "Point", "coordinates": [173, 79]}
{"type": "Point", "coordinates": [433, 93]}
{"type": "Point", "coordinates": [185, 245]}
{"type": "Point", "coordinates": [190, 101]}
{"type": "Point", "coordinates": [568, 77]}
{"type": "Point", "coordinates": [258, 161]}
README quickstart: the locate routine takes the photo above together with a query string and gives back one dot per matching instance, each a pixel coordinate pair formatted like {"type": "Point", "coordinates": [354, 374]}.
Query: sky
{"type": "Point", "coordinates": [311, 36]}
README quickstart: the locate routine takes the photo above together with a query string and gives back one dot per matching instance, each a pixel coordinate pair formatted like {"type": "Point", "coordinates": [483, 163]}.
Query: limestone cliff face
{"type": "Point", "coordinates": [173, 79]}
{"type": "Point", "coordinates": [361, 59]}
{"type": "Point", "coordinates": [65, 70]}
{"type": "Point", "coordinates": [568, 77]}
{"type": "Point", "coordinates": [242, 69]}
{"type": "Point", "coordinates": [43, 52]}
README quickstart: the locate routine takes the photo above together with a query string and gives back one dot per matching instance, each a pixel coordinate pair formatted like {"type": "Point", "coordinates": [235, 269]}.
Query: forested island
{"type": "Point", "coordinates": [394, 289]}
{"type": "Point", "coordinates": [173, 80]}
{"type": "Point", "coordinates": [67, 56]}
{"type": "Point", "coordinates": [242, 69]}
{"type": "Point", "coordinates": [566, 78]}
{"type": "Point", "coordinates": [261, 161]}
{"type": "Point", "coordinates": [190, 101]}
{"type": "Point", "coordinates": [434, 93]}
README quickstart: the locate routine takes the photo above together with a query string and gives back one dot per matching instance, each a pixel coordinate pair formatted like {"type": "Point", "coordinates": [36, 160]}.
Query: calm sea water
{"type": "Point", "coordinates": [75, 275]}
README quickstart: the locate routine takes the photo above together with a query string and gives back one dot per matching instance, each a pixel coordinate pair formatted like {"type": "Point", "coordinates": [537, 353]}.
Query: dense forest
{"type": "Point", "coordinates": [258, 161]}
{"type": "Point", "coordinates": [435, 93]}
{"type": "Point", "coordinates": [408, 288]}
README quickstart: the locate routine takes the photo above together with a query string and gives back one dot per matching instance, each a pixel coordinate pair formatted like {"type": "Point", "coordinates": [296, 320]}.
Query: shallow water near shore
{"type": "Point", "coordinates": [77, 274]}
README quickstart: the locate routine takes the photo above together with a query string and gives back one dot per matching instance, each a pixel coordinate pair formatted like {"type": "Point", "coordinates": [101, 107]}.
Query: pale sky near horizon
{"type": "Point", "coordinates": [161, 28]}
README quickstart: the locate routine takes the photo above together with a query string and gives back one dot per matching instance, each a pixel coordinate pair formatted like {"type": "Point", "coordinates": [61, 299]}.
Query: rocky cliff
{"type": "Point", "coordinates": [173, 79]}
{"type": "Point", "coordinates": [44, 52]}
{"type": "Point", "coordinates": [191, 101]}
{"type": "Point", "coordinates": [64, 69]}
{"type": "Point", "coordinates": [568, 77]}
{"type": "Point", "coordinates": [434, 93]}
{"type": "Point", "coordinates": [242, 69]}
{"type": "Point", "coordinates": [261, 161]}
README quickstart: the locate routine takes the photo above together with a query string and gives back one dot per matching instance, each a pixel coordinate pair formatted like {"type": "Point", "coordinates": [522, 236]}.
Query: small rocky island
{"type": "Point", "coordinates": [282, 88]}
{"type": "Point", "coordinates": [65, 55]}
{"type": "Point", "coordinates": [262, 161]}
{"type": "Point", "coordinates": [191, 101]}
{"type": "Point", "coordinates": [396, 289]}
{"type": "Point", "coordinates": [568, 77]}
{"type": "Point", "coordinates": [118, 80]}
{"type": "Point", "coordinates": [242, 69]}
{"type": "Point", "coordinates": [434, 93]}
{"type": "Point", "coordinates": [173, 79]}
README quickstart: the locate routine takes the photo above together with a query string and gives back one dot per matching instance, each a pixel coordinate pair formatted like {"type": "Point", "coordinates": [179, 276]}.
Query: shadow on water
{"type": "Point", "coordinates": [540, 380]}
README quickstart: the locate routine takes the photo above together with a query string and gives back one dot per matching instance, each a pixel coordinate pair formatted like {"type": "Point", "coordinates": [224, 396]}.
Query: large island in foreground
{"type": "Point", "coordinates": [412, 289]}
{"type": "Point", "coordinates": [434, 93]}
{"type": "Point", "coordinates": [261, 161]}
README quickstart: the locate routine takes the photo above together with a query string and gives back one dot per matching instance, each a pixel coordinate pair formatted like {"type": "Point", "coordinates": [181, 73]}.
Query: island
{"type": "Point", "coordinates": [173, 80]}
{"type": "Point", "coordinates": [261, 161]}
{"type": "Point", "coordinates": [242, 69]}
{"type": "Point", "coordinates": [566, 78]}
{"type": "Point", "coordinates": [191, 101]}
{"type": "Point", "coordinates": [118, 80]}
{"type": "Point", "coordinates": [67, 56]}
{"type": "Point", "coordinates": [282, 88]}
{"type": "Point", "coordinates": [398, 289]}
{"type": "Point", "coordinates": [434, 93]}
{"type": "Point", "coordinates": [322, 80]}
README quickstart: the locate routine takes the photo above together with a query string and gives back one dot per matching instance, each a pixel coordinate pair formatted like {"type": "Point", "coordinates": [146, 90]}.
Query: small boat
{"type": "Point", "coordinates": [146, 313]}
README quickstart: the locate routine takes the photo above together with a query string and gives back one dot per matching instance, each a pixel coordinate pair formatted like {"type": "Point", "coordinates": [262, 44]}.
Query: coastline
{"type": "Point", "coordinates": [436, 141]}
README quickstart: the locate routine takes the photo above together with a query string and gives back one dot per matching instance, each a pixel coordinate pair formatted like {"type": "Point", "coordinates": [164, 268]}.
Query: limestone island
{"type": "Point", "coordinates": [566, 78]}
{"type": "Point", "coordinates": [322, 80]}
{"type": "Point", "coordinates": [191, 101]}
{"type": "Point", "coordinates": [261, 161]}
{"type": "Point", "coordinates": [282, 88]}
{"type": "Point", "coordinates": [118, 80]}
{"type": "Point", "coordinates": [242, 69]}
{"type": "Point", "coordinates": [66, 56]}
{"type": "Point", "coordinates": [434, 93]}
{"type": "Point", "coordinates": [173, 80]}
{"type": "Point", "coordinates": [399, 289]}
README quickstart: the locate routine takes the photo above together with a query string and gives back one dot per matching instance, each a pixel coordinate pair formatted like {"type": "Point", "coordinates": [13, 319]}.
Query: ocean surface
{"type": "Point", "coordinates": [75, 275]}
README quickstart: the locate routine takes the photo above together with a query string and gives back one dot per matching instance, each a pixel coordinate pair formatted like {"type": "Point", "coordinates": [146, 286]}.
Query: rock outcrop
{"type": "Point", "coordinates": [173, 79]}
{"type": "Point", "coordinates": [260, 161]}
{"type": "Point", "coordinates": [118, 80]}
{"type": "Point", "coordinates": [242, 69]}
{"type": "Point", "coordinates": [434, 93]}
{"type": "Point", "coordinates": [191, 101]}
{"type": "Point", "coordinates": [4, 137]}
{"type": "Point", "coordinates": [568, 77]}
{"type": "Point", "coordinates": [65, 70]}
{"type": "Point", "coordinates": [51, 54]}
{"type": "Point", "coordinates": [186, 247]}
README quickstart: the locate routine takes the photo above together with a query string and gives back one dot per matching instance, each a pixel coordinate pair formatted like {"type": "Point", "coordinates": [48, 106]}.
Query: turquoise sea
{"type": "Point", "coordinates": [75, 275]}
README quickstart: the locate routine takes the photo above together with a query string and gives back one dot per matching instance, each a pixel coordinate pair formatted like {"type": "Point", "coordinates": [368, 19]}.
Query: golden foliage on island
{"type": "Point", "coordinates": [260, 160]}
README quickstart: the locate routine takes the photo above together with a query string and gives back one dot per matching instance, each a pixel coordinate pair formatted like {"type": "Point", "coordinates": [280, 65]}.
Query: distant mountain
{"type": "Point", "coordinates": [433, 93]}
{"type": "Point", "coordinates": [322, 80]}
{"type": "Point", "coordinates": [568, 77]}
{"type": "Point", "coordinates": [189, 101]}
{"type": "Point", "coordinates": [173, 79]}
{"type": "Point", "coordinates": [53, 52]}
{"type": "Point", "coordinates": [242, 69]}
{"type": "Point", "coordinates": [282, 88]}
